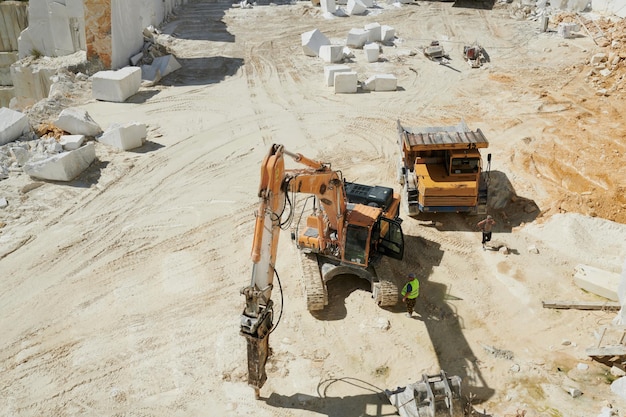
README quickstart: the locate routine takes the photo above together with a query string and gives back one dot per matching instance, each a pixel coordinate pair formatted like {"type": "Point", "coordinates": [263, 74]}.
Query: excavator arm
{"type": "Point", "coordinates": [275, 183]}
{"type": "Point", "coordinates": [257, 317]}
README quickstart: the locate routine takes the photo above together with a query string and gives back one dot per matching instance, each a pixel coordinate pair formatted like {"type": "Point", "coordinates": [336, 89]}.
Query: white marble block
{"type": "Point", "coordinates": [328, 6]}
{"type": "Point", "coordinates": [311, 42]}
{"type": "Point", "coordinates": [331, 53]}
{"type": "Point", "coordinates": [331, 70]}
{"type": "Point", "coordinates": [372, 52]}
{"type": "Point", "coordinates": [387, 33]}
{"type": "Point", "coordinates": [381, 82]}
{"type": "Point", "coordinates": [374, 33]}
{"type": "Point", "coordinates": [346, 82]}
{"type": "Point", "coordinates": [355, 7]}
{"type": "Point", "coordinates": [64, 166]}
{"type": "Point", "coordinates": [116, 86]}
{"type": "Point", "coordinates": [125, 137]}
{"type": "Point", "coordinates": [356, 38]}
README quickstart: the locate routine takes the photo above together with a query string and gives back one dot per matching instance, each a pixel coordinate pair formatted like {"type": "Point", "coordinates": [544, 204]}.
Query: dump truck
{"type": "Point", "coordinates": [441, 169]}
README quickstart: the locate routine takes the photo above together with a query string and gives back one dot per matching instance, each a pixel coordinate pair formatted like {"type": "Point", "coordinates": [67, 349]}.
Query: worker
{"type": "Point", "coordinates": [485, 226]}
{"type": "Point", "coordinates": [410, 292]}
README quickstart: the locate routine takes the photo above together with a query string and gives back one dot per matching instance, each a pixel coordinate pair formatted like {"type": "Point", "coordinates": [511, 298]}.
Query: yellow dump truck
{"type": "Point", "coordinates": [441, 169]}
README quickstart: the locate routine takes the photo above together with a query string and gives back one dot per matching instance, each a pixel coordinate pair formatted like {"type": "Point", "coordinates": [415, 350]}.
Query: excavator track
{"type": "Point", "coordinates": [314, 288]}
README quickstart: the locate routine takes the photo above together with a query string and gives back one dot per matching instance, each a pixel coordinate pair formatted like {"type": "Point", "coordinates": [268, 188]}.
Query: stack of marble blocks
{"type": "Point", "coordinates": [342, 77]}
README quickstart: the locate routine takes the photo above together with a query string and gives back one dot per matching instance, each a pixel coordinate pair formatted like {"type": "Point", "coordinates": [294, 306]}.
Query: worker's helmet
{"type": "Point", "coordinates": [411, 275]}
{"type": "Point", "coordinates": [489, 216]}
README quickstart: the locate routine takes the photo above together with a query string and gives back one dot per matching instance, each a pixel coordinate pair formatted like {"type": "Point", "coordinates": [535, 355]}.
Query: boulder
{"type": "Point", "coordinates": [64, 166]}
{"type": "Point", "coordinates": [125, 137]}
{"type": "Point", "coordinates": [13, 124]}
{"type": "Point", "coordinates": [311, 42]}
{"type": "Point", "coordinates": [77, 122]}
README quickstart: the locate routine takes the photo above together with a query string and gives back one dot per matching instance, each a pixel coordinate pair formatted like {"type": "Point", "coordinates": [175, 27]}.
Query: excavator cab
{"type": "Point", "coordinates": [369, 233]}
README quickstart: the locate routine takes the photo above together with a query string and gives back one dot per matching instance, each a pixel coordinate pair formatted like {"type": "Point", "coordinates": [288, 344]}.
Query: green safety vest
{"type": "Point", "coordinates": [415, 289]}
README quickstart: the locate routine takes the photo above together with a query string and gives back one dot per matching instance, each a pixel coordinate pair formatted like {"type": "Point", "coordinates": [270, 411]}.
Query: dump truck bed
{"type": "Point", "coordinates": [441, 137]}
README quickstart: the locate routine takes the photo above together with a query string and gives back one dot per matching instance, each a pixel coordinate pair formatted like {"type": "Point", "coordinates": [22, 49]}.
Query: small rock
{"type": "Point", "coordinates": [3, 202]}
{"type": "Point", "coordinates": [598, 58]}
{"type": "Point", "coordinates": [504, 250]}
{"type": "Point", "coordinates": [607, 412]}
{"type": "Point", "coordinates": [566, 342]}
{"type": "Point", "coordinates": [574, 392]}
{"type": "Point", "coordinates": [533, 249]}
{"type": "Point", "coordinates": [605, 72]}
{"type": "Point", "coordinates": [615, 371]}
{"type": "Point", "coordinates": [515, 368]}
{"type": "Point", "coordinates": [582, 366]}
{"type": "Point", "coordinates": [382, 323]}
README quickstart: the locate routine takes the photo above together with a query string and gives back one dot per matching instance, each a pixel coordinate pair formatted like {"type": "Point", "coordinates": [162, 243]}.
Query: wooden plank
{"type": "Point", "coordinates": [582, 305]}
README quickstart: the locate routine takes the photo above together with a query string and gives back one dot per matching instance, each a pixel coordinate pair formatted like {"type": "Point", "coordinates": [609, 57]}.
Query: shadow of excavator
{"type": "Point", "coordinates": [368, 400]}
{"type": "Point", "coordinates": [444, 327]}
{"type": "Point", "coordinates": [507, 208]}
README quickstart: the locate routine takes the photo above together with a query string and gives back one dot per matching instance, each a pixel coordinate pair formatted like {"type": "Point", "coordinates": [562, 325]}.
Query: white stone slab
{"type": "Point", "coordinates": [598, 281]}
{"type": "Point", "coordinates": [372, 52]}
{"type": "Point", "coordinates": [77, 121]}
{"type": "Point", "coordinates": [125, 137]}
{"type": "Point", "coordinates": [567, 29]}
{"type": "Point", "coordinates": [116, 86]}
{"type": "Point", "coordinates": [311, 42]}
{"type": "Point", "coordinates": [368, 3]}
{"type": "Point", "coordinates": [331, 70]}
{"type": "Point", "coordinates": [381, 82]}
{"type": "Point", "coordinates": [328, 6]}
{"type": "Point", "coordinates": [387, 33]}
{"type": "Point", "coordinates": [331, 53]}
{"type": "Point", "coordinates": [355, 7]}
{"type": "Point", "coordinates": [13, 124]}
{"type": "Point", "coordinates": [64, 166]}
{"type": "Point", "coordinates": [374, 33]}
{"type": "Point", "coordinates": [160, 67]}
{"type": "Point", "coordinates": [346, 82]}
{"type": "Point", "coordinates": [356, 38]}
{"type": "Point", "coordinates": [71, 142]}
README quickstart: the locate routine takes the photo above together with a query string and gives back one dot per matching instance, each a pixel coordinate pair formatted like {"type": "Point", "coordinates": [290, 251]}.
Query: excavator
{"type": "Point", "coordinates": [352, 229]}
